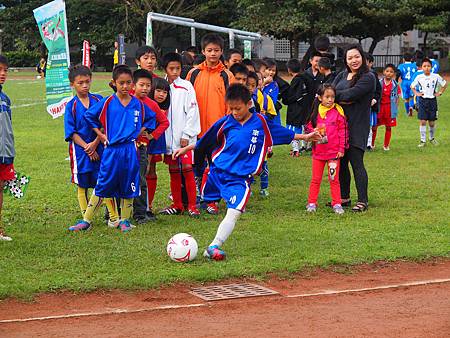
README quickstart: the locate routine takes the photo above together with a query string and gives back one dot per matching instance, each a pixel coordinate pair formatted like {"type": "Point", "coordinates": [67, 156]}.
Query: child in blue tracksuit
{"type": "Point", "coordinates": [117, 120]}
{"type": "Point", "coordinates": [239, 144]}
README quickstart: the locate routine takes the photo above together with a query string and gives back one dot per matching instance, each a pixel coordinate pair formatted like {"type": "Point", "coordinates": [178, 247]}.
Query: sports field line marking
{"type": "Point", "coordinates": [375, 288]}
{"type": "Point", "coordinates": [103, 313]}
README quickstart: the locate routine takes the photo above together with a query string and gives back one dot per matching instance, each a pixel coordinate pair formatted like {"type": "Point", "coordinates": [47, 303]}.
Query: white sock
{"type": "Point", "coordinates": [432, 131]}
{"type": "Point", "coordinates": [226, 227]}
{"type": "Point", "coordinates": [423, 133]}
{"type": "Point", "coordinates": [369, 139]}
{"type": "Point", "coordinates": [294, 145]}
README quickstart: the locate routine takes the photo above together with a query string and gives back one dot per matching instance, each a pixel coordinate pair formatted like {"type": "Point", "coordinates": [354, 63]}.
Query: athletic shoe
{"type": "Point", "coordinates": [422, 144]}
{"type": "Point", "coordinates": [80, 226]}
{"type": "Point", "coordinates": [311, 207]}
{"type": "Point", "coordinates": [150, 216]}
{"type": "Point", "coordinates": [4, 236]}
{"type": "Point", "coordinates": [193, 212]}
{"type": "Point", "coordinates": [337, 208]}
{"type": "Point", "coordinates": [264, 192]}
{"type": "Point", "coordinates": [212, 208]}
{"type": "Point", "coordinates": [214, 252]}
{"type": "Point", "coordinates": [171, 210]}
{"type": "Point", "coordinates": [140, 220]}
{"type": "Point", "coordinates": [124, 225]}
{"type": "Point", "coordinates": [410, 112]}
{"type": "Point", "coordinates": [434, 142]}
{"type": "Point", "coordinates": [112, 224]}
{"type": "Point", "coordinates": [386, 148]}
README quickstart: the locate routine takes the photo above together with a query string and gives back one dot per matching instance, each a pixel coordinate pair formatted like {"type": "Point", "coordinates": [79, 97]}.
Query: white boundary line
{"type": "Point", "coordinates": [383, 287]}
{"type": "Point", "coordinates": [103, 313]}
{"type": "Point", "coordinates": [175, 307]}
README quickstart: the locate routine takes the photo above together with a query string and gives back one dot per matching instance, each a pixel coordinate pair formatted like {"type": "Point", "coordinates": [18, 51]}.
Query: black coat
{"type": "Point", "coordinates": [294, 98]}
{"type": "Point", "coordinates": [357, 111]}
{"type": "Point", "coordinates": [312, 84]}
{"type": "Point", "coordinates": [283, 87]}
{"type": "Point", "coordinates": [377, 94]}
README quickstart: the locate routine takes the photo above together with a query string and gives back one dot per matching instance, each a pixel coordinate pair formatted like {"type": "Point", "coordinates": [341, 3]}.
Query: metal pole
{"type": "Point", "coordinates": [192, 36]}
{"type": "Point", "coordinates": [149, 31]}
{"type": "Point", "coordinates": [231, 36]}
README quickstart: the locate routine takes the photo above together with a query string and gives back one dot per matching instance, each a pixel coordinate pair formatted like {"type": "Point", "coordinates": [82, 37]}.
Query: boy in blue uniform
{"type": "Point", "coordinates": [85, 150]}
{"type": "Point", "coordinates": [239, 144]}
{"type": "Point", "coordinates": [407, 69]}
{"type": "Point", "coordinates": [117, 120]}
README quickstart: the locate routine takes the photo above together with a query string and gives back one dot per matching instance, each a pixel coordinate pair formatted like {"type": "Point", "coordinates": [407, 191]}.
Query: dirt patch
{"type": "Point", "coordinates": [415, 311]}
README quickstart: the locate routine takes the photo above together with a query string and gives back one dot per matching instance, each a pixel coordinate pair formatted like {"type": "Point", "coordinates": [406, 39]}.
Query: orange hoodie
{"type": "Point", "coordinates": [210, 91]}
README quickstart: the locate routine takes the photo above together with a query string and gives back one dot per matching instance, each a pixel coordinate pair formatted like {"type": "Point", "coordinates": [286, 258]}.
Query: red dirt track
{"type": "Point", "coordinates": [414, 311]}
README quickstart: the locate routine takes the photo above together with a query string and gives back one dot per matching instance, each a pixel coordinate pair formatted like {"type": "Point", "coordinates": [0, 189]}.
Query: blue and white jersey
{"type": "Point", "coordinates": [272, 90]}
{"type": "Point", "coordinates": [427, 84]}
{"type": "Point", "coordinates": [240, 150]}
{"type": "Point", "coordinates": [74, 123]}
{"type": "Point", "coordinates": [122, 124]}
{"type": "Point", "coordinates": [435, 66]}
{"type": "Point", "coordinates": [407, 71]}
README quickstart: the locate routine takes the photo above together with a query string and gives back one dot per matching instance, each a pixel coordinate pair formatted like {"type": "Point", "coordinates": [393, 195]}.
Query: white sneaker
{"type": "Point", "coordinates": [434, 142]}
{"type": "Point", "coordinates": [337, 208]}
{"type": "Point", "coordinates": [421, 144]}
{"type": "Point", "coordinates": [4, 236]}
{"type": "Point", "coordinates": [386, 148]}
{"type": "Point", "coordinates": [112, 224]}
{"type": "Point", "coordinates": [311, 207]}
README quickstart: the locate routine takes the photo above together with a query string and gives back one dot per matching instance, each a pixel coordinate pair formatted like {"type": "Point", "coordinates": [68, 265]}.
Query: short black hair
{"type": "Point", "coordinates": [325, 62]}
{"type": "Point", "coordinates": [314, 54]}
{"type": "Point", "coordinates": [238, 92]}
{"type": "Point", "coordinates": [369, 57]}
{"type": "Point", "coordinates": [258, 63]}
{"type": "Point", "coordinates": [192, 49]}
{"type": "Point", "coordinates": [78, 70]}
{"type": "Point", "coordinates": [145, 50]}
{"type": "Point", "coordinates": [187, 59]}
{"type": "Point", "coordinates": [254, 76]}
{"type": "Point", "coordinates": [426, 60]}
{"type": "Point", "coordinates": [230, 52]}
{"type": "Point", "coordinates": [391, 65]}
{"type": "Point", "coordinates": [419, 55]}
{"type": "Point", "coordinates": [294, 65]}
{"type": "Point", "coordinates": [322, 43]}
{"type": "Point", "coordinates": [248, 62]}
{"type": "Point", "coordinates": [407, 56]}
{"type": "Point", "coordinates": [270, 62]}
{"type": "Point", "coordinates": [121, 69]}
{"type": "Point", "coordinates": [162, 84]}
{"type": "Point", "coordinates": [212, 38]}
{"type": "Point", "coordinates": [142, 74]}
{"type": "Point", "coordinates": [171, 57]}
{"type": "Point", "coordinates": [239, 68]}
{"type": "Point", "coordinates": [200, 58]}
{"type": "Point", "coordinates": [4, 60]}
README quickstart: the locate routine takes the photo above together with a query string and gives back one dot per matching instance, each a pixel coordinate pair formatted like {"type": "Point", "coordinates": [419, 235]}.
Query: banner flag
{"type": "Point", "coordinates": [52, 23]}
{"type": "Point", "coordinates": [86, 54]}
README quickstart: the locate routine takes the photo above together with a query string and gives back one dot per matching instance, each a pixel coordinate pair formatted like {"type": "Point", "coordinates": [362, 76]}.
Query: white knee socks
{"type": "Point", "coordinates": [423, 133]}
{"type": "Point", "coordinates": [226, 227]}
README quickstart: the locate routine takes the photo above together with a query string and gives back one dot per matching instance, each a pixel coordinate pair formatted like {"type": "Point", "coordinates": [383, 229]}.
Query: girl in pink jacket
{"type": "Point", "coordinates": [328, 118]}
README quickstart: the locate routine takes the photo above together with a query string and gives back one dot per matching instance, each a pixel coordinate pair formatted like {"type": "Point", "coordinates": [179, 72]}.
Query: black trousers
{"type": "Point", "coordinates": [354, 156]}
{"type": "Point", "coordinates": [140, 203]}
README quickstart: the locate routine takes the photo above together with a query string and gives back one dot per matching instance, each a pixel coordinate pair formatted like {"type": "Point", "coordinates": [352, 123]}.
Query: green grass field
{"type": "Point", "coordinates": [408, 215]}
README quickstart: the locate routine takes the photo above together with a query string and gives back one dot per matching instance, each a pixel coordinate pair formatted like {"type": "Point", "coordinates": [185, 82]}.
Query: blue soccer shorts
{"type": "Point", "coordinates": [86, 180]}
{"type": "Point", "coordinates": [407, 92]}
{"type": "Point", "coordinates": [234, 190]}
{"type": "Point", "coordinates": [119, 172]}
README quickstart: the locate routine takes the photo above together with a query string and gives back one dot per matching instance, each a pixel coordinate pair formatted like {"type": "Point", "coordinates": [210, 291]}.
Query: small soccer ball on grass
{"type": "Point", "coordinates": [182, 248]}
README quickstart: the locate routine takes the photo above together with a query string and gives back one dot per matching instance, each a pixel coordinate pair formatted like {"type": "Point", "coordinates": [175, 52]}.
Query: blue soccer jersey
{"type": "Point", "coordinates": [407, 71]}
{"type": "Point", "coordinates": [435, 66]}
{"type": "Point", "coordinates": [74, 123]}
{"type": "Point", "coordinates": [240, 150]}
{"type": "Point", "coordinates": [121, 124]}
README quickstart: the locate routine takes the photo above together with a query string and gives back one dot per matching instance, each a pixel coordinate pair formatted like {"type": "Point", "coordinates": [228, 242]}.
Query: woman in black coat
{"type": "Point", "coordinates": [355, 88]}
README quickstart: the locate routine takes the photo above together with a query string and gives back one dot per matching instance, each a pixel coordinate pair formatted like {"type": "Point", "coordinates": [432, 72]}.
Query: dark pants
{"type": "Point", "coordinates": [356, 158]}
{"type": "Point", "coordinates": [140, 203]}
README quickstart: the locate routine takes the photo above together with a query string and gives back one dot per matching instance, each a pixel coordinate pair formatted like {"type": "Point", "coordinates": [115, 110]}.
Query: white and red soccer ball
{"type": "Point", "coordinates": [182, 248]}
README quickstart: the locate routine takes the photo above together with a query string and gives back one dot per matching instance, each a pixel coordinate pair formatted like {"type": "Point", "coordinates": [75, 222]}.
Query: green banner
{"type": "Point", "coordinates": [52, 23]}
{"type": "Point", "coordinates": [247, 49]}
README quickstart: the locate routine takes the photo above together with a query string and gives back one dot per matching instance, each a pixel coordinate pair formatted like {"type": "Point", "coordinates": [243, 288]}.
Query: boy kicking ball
{"type": "Point", "coordinates": [239, 143]}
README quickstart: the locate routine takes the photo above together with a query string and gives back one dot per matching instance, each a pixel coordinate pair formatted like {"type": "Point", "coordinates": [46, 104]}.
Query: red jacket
{"type": "Point", "coordinates": [336, 131]}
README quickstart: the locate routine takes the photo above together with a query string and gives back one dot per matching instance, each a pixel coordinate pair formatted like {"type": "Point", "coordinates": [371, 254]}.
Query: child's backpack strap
{"type": "Point", "coordinates": [194, 75]}
{"type": "Point", "coordinates": [223, 75]}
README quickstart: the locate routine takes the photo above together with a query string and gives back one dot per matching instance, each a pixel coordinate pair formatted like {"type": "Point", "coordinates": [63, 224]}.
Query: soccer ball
{"type": "Point", "coordinates": [182, 248]}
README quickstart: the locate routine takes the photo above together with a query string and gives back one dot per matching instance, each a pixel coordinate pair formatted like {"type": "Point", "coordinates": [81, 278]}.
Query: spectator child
{"type": "Point", "coordinates": [240, 73]}
{"type": "Point", "coordinates": [325, 70]}
{"type": "Point", "coordinates": [270, 86]}
{"type": "Point", "coordinates": [387, 115]}
{"type": "Point", "coordinates": [146, 58]}
{"type": "Point", "coordinates": [329, 120]}
{"type": "Point", "coordinates": [250, 65]}
{"type": "Point", "coordinates": [232, 57]}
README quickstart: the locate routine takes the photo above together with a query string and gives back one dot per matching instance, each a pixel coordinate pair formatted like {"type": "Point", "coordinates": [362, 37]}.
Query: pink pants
{"type": "Point", "coordinates": [333, 178]}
